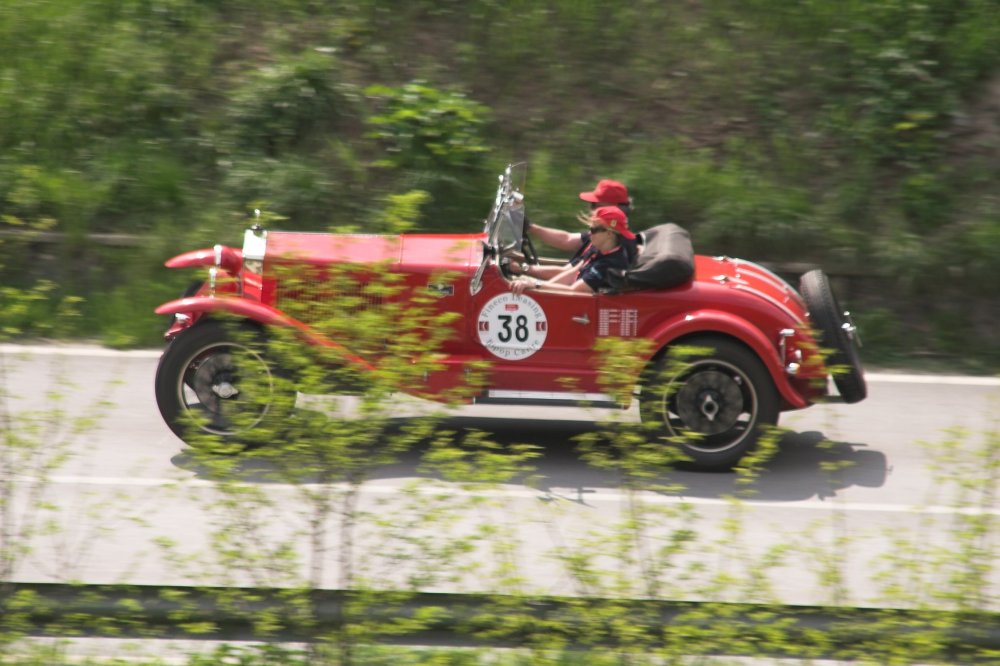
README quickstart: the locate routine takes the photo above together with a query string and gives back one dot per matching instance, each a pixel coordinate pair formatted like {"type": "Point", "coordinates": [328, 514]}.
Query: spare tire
{"type": "Point", "coordinates": [837, 336]}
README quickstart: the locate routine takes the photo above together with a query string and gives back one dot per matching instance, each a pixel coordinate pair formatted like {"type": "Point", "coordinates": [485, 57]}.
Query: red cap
{"type": "Point", "coordinates": [614, 218]}
{"type": "Point", "coordinates": [607, 192]}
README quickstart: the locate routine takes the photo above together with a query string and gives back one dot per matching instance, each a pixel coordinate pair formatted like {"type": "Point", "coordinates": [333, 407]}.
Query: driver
{"type": "Point", "coordinates": [606, 193]}
{"type": "Point", "coordinates": [608, 236]}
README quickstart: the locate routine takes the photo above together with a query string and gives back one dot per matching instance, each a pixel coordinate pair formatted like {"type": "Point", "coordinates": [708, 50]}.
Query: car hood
{"type": "Point", "coordinates": [436, 251]}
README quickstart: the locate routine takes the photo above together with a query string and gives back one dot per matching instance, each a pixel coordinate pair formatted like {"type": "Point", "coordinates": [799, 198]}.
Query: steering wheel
{"type": "Point", "coordinates": [528, 249]}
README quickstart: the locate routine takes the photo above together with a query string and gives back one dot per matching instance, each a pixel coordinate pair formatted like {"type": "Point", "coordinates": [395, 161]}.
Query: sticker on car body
{"type": "Point", "coordinates": [623, 323]}
{"type": "Point", "coordinates": [512, 327]}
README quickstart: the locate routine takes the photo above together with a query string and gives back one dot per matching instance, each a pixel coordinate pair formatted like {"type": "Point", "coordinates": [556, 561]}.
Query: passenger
{"type": "Point", "coordinates": [607, 239]}
{"type": "Point", "coordinates": [607, 193]}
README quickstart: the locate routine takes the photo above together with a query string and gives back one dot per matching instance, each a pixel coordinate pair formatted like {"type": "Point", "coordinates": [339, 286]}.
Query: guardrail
{"type": "Point", "coordinates": [477, 620]}
{"type": "Point", "coordinates": [54, 237]}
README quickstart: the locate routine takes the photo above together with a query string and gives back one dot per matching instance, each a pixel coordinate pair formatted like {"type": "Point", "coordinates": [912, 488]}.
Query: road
{"type": "Point", "coordinates": [851, 509]}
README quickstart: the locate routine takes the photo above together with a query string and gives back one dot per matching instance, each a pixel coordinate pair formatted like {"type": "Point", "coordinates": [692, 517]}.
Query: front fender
{"type": "Point", "coordinates": [716, 321]}
{"type": "Point", "coordinates": [240, 307]}
{"type": "Point", "coordinates": [227, 258]}
{"type": "Point", "coordinates": [260, 313]}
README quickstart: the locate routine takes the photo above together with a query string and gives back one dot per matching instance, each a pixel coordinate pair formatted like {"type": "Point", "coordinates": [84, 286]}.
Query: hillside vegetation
{"type": "Point", "coordinates": [859, 135]}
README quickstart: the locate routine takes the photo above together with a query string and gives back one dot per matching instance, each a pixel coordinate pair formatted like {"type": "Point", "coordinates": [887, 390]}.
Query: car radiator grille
{"type": "Point", "coordinates": [313, 299]}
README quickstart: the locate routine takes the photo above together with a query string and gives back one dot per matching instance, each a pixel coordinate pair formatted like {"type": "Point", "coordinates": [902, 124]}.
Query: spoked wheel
{"type": "Point", "coordinates": [715, 405]}
{"type": "Point", "coordinates": [214, 379]}
{"type": "Point", "coordinates": [838, 335]}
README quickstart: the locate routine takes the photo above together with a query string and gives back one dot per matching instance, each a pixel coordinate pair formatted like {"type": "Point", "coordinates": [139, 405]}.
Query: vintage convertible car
{"type": "Point", "coordinates": [763, 347]}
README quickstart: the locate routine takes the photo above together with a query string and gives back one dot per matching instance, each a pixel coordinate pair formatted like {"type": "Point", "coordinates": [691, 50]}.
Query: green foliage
{"type": "Point", "coordinates": [285, 104]}
{"type": "Point", "coordinates": [855, 133]}
{"type": "Point", "coordinates": [849, 136]}
{"type": "Point", "coordinates": [402, 211]}
{"type": "Point", "coordinates": [433, 140]}
{"type": "Point", "coordinates": [292, 516]}
{"type": "Point", "coordinates": [33, 312]}
{"type": "Point", "coordinates": [39, 435]}
{"type": "Point", "coordinates": [925, 201]}
{"type": "Point", "coordinates": [263, 655]}
{"type": "Point", "coordinates": [422, 127]}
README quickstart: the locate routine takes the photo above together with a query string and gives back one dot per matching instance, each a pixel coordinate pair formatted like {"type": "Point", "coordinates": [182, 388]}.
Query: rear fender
{"type": "Point", "coordinates": [260, 313]}
{"type": "Point", "coordinates": [718, 322]}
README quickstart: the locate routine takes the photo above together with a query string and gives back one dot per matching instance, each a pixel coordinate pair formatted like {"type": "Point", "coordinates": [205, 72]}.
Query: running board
{"type": "Point", "coordinates": [547, 398]}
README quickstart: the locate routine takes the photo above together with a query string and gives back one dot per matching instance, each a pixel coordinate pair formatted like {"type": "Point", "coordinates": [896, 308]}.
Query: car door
{"type": "Point", "coordinates": [538, 341]}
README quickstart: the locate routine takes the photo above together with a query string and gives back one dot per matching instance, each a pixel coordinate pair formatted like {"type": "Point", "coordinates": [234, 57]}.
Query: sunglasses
{"type": "Point", "coordinates": [598, 229]}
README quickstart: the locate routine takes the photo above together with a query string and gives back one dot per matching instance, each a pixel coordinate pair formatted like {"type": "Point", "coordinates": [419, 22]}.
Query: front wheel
{"type": "Point", "coordinates": [214, 379]}
{"type": "Point", "coordinates": [715, 403]}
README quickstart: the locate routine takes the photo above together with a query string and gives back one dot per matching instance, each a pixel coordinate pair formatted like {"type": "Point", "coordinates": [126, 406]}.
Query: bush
{"type": "Point", "coordinates": [848, 135]}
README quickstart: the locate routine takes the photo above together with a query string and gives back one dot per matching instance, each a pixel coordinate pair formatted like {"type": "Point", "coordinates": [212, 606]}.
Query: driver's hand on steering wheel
{"type": "Point", "coordinates": [522, 284]}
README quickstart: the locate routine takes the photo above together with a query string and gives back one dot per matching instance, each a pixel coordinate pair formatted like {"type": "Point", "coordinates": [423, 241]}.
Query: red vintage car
{"type": "Point", "coordinates": [759, 339]}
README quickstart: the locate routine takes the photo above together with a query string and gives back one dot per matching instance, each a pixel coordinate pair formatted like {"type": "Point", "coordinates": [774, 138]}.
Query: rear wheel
{"type": "Point", "coordinates": [715, 404]}
{"type": "Point", "coordinates": [214, 379]}
{"type": "Point", "coordinates": [837, 335]}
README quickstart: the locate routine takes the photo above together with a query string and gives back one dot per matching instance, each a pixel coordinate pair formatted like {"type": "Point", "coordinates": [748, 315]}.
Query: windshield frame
{"type": "Point", "coordinates": [504, 226]}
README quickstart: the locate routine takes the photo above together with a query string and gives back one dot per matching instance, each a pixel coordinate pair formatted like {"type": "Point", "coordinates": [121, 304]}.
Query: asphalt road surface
{"type": "Point", "coordinates": [862, 504]}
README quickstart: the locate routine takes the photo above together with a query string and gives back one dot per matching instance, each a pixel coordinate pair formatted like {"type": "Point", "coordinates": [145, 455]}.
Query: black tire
{"type": "Point", "coordinates": [214, 379]}
{"type": "Point", "coordinates": [716, 405]}
{"type": "Point", "coordinates": [837, 335]}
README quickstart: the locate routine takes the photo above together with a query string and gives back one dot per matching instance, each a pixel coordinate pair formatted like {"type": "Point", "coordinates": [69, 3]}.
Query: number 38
{"type": "Point", "coordinates": [519, 330]}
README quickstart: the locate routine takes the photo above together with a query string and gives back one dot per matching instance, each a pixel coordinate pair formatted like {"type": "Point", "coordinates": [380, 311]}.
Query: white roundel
{"type": "Point", "coordinates": [512, 327]}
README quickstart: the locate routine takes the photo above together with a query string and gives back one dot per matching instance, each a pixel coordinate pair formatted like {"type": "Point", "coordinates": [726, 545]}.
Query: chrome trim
{"type": "Point", "coordinates": [783, 336]}
{"type": "Point", "coordinates": [218, 255]}
{"type": "Point", "coordinates": [213, 274]}
{"type": "Point", "coordinates": [851, 329]}
{"type": "Point", "coordinates": [547, 399]}
{"type": "Point", "coordinates": [254, 244]}
{"type": "Point", "coordinates": [509, 394]}
{"type": "Point", "coordinates": [791, 368]}
{"type": "Point", "coordinates": [254, 249]}
{"type": "Point", "coordinates": [582, 319]}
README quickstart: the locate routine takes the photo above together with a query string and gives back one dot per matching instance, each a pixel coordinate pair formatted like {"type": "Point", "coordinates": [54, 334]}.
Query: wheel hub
{"type": "Point", "coordinates": [214, 381]}
{"type": "Point", "coordinates": [710, 402]}
{"type": "Point", "coordinates": [225, 390]}
{"type": "Point", "coordinates": [709, 405]}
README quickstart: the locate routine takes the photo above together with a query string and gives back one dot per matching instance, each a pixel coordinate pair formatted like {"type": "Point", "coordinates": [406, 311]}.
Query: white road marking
{"type": "Point", "coordinates": [951, 380]}
{"type": "Point", "coordinates": [78, 350]}
{"type": "Point", "coordinates": [590, 496]}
